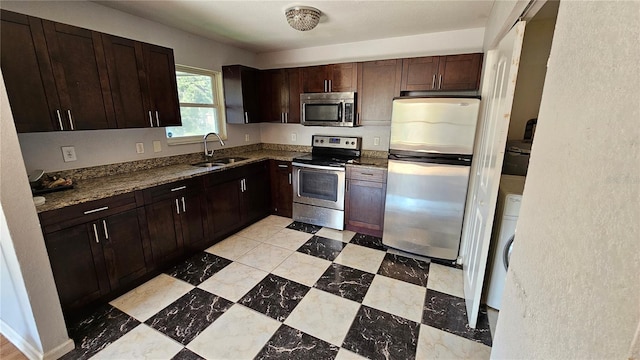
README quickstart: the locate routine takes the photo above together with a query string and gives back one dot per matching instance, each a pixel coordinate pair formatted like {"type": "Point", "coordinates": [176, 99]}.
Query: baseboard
{"type": "Point", "coordinates": [27, 348]}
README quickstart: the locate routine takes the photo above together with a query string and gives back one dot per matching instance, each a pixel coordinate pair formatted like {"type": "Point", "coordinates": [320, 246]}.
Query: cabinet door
{"type": "Point", "coordinates": [241, 94]}
{"type": "Point", "coordinates": [78, 265]}
{"type": "Point", "coordinates": [294, 79]}
{"type": "Point", "coordinates": [81, 76]}
{"type": "Point", "coordinates": [223, 203]}
{"type": "Point", "coordinates": [274, 99]}
{"type": "Point", "coordinates": [460, 72]}
{"type": "Point", "coordinates": [128, 81]}
{"type": "Point", "coordinates": [192, 220]}
{"type": "Point", "coordinates": [126, 252]}
{"type": "Point", "coordinates": [378, 84]}
{"type": "Point", "coordinates": [256, 196]}
{"type": "Point", "coordinates": [314, 79]}
{"type": "Point", "coordinates": [27, 73]}
{"type": "Point", "coordinates": [164, 226]}
{"type": "Point", "coordinates": [419, 74]}
{"type": "Point", "coordinates": [163, 90]}
{"type": "Point", "coordinates": [364, 206]}
{"type": "Point", "coordinates": [281, 188]}
{"type": "Point", "coordinates": [343, 77]}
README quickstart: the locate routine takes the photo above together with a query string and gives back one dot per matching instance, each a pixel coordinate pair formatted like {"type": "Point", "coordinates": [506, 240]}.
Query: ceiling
{"type": "Point", "coordinates": [260, 26]}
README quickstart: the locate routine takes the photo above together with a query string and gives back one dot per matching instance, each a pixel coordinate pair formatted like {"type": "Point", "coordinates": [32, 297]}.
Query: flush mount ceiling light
{"type": "Point", "coordinates": [303, 18]}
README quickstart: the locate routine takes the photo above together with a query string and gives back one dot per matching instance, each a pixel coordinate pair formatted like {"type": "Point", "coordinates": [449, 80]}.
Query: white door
{"type": "Point", "coordinates": [500, 82]}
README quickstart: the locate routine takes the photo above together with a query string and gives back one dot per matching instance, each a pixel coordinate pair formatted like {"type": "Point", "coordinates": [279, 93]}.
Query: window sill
{"type": "Point", "coordinates": [183, 140]}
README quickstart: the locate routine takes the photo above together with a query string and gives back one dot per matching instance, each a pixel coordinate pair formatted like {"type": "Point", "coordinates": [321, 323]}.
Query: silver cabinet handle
{"type": "Point", "coordinates": [290, 178]}
{"type": "Point", "coordinates": [298, 187]}
{"type": "Point", "coordinates": [106, 233]}
{"type": "Point", "coordinates": [157, 119]}
{"type": "Point", "coordinates": [367, 174]}
{"type": "Point", "coordinates": [184, 207]}
{"type": "Point", "coordinates": [96, 210]}
{"type": "Point", "coordinates": [177, 207]}
{"type": "Point", "coordinates": [70, 119]}
{"type": "Point", "coordinates": [243, 185]}
{"type": "Point", "coordinates": [326, 87]}
{"type": "Point", "coordinates": [246, 117]}
{"type": "Point", "coordinates": [150, 119]}
{"type": "Point", "coordinates": [59, 120]}
{"type": "Point", "coordinates": [179, 188]}
{"type": "Point", "coordinates": [282, 166]}
{"type": "Point", "coordinates": [347, 185]}
{"type": "Point", "coordinates": [433, 82]}
{"type": "Point", "coordinates": [439, 81]}
{"type": "Point", "coordinates": [95, 233]}
{"type": "Point", "coordinates": [330, 85]}
{"type": "Point", "coordinates": [286, 118]}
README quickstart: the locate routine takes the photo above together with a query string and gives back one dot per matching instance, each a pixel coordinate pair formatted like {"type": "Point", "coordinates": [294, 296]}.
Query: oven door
{"type": "Point", "coordinates": [319, 185]}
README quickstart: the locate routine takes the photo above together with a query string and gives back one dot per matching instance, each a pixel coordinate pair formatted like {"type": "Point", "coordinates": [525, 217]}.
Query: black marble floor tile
{"type": "Point", "coordinates": [450, 263]}
{"type": "Point", "coordinates": [322, 247]}
{"type": "Point", "coordinates": [198, 268]}
{"type": "Point", "coordinates": [289, 343]}
{"type": "Point", "coordinates": [448, 313]}
{"type": "Point", "coordinates": [186, 317]}
{"type": "Point", "coordinates": [308, 228]}
{"type": "Point", "coordinates": [345, 281]}
{"type": "Point", "coordinates": [275, 296]}
{"type": "Point", "coordinates": [404, 268]}
{"type": "Point", "coordinates": [376, 334]}
{"type": "Point", "coordinates": [186, 354]}
{"type": "Point", "coordinates": [97, 330]}
{"type": "Point", "coordinates": [369, 241]}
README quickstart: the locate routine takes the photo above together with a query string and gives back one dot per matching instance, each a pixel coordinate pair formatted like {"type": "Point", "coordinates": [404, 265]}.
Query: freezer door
{"type": "Point", "coordinates": [435, 125]}
{"type": "Point", "coordinates": [424, 208]}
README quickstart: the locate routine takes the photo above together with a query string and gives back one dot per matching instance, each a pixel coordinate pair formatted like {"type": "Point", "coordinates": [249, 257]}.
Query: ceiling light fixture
{"type": "Point", "coordinates": [303, 18]}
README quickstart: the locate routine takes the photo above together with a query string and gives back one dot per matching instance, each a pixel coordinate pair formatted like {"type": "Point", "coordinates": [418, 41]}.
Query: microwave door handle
{"type": "Point", "coordinates": [340, 110]}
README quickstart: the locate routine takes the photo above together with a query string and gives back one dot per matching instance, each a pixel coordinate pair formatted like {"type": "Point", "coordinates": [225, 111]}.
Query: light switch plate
{"type": "Point", "coordinates": [294, 137]}
{"type": "Point", "coordinates": [157, 146]}
{"type": "Point", "coordinates": [246, 137]}
{"type": "Point", "coordinates": [69, 153]}
{"type": "Point", "coordinates": [140, 148]}
{"type": "Point", "coordinates": [376, 141]}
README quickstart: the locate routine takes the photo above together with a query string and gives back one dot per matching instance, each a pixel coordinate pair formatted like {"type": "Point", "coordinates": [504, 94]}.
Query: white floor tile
{"type": "Point", "coordinates": [289, 239]}
{"type": "Point", "coordinates": [360, 257]}
{"type": "Point", "coordinates": [277, 220]}
{"type": "Point", "coordinates": [233, 247]}
{"type": "Point", "coordinates": [438, 344]}
{"type": "Point", "coordinates": [323, 315]}
{"type": "Point", "coordinates": [234, 281]}
{"type": "Point", "coordinates": [302, 268]}
{"type": "Point", "coordinates": [149, 298]}
{"type": "Point", "coordinates": [265, 257]}
{"type": "Point", "coordinates": [344, 354]}
{"type": "Point", "coordinates": [396, 297]}
{"type": "Point", "coordinates": [142, 342]}
{"type": "Point", "coordinates": [240, 333]}
{"type": "Point", "coordinates": [446, 279]}
{"type": "Point", "coordinates": [344, 235]}
{"type": "Point", "coordinates": [260, 231]}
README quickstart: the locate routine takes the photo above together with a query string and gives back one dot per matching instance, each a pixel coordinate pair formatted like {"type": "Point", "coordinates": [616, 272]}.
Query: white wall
{"type": "Point", "coordinates": [99, 147]}
{"type": "Point", "coordinates": [504, 14]}
{"type": "Point", "coordinates": [533, 67]}
{"type": "Point", "coordinates": [30, 315]}
{"type": "Point", "coordinates": [282, 134]}
{"type": "Point", "coordinates": [572, 289]}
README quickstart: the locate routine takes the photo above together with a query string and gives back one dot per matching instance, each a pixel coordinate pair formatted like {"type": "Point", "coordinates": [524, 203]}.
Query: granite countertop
{"type": "Point", "coordinates": [101, 187]}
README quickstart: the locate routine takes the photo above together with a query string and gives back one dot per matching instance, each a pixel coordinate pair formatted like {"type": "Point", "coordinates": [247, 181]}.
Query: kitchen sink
{"type": "Point", "coordinates": [218, 163]}
{"type": "Point", "coordinates": [229, 160]}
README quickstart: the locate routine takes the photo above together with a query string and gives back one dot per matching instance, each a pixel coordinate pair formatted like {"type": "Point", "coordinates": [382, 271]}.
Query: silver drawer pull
{"type": "Point", "coordinates": [106, 233]}
{"type": "Point", "coordinates": [184, 206]}
{"type": "Point", "coordinates": [96, 210]}
{"type": "Point", "coordinates": [95, 233]}
{"type": "Point", "coordinates": [283, 166]}
{"type": "Point", "coordinates": [368, 174]}
{"type": "Point", "coordinates": [177, 207]}
{"type": "Point", "coordinates": [179, 188]}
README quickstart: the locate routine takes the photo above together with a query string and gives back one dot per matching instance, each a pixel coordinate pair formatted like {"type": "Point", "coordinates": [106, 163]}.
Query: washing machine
{"type": "Point", "coordinates": [503, 235]}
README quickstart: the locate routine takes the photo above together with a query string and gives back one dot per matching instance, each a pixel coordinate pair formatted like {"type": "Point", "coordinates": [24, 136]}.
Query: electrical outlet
{"type": "Point", "coordinates": [69, 153]}
{"type": "Point", "coordinates": [157, 146]}
{"type": "Point", "coordinates": [294, 137]}
{"type": "Point", "coordinates": [376, 141]}
{"type": "Point", "coordinates": [140, 148]}
{"type": "Point", "coordinates": [246, 137]}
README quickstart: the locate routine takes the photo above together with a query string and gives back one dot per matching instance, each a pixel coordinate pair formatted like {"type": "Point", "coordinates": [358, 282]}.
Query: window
{"type": "Point", "coordinates": [201, 105]}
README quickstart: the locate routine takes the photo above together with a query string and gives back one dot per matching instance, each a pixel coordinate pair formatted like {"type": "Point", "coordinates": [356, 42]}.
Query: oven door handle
{"type": "Point", "coordinates": [318, 167]}
{"type": "Point", "coordinates": [298, 183]}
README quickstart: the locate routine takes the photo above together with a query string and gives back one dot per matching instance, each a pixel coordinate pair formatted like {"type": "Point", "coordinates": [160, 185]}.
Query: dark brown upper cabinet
{"type": "Point", "coordinates": [62, 77]}
{"type": "Point", "coordinates": [280, 95]}
{"type": "Point", "coordinates": [330, 78]}
{"type": "Point", "coordinates": [378, 84]}
{"type": "Point", "coordinates": [241, 94]}
{"type": "Point", "coordinates": [451, 72]}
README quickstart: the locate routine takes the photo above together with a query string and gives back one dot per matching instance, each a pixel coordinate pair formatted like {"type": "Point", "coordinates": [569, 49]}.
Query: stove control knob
{"type": "Point", "coordinates": [353, 143]}
{"type": "Point", "coordinates": [316, 140]}
{"type": "Point", "coordinates": [321, 141]}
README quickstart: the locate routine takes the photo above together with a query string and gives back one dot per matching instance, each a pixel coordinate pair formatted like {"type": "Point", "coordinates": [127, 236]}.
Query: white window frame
{"type": "Point", "coordinates": [218, 99]}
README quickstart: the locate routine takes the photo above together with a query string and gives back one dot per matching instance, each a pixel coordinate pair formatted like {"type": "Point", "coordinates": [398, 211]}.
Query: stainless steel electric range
{"type": "Point", "coordinates": [319, 180]}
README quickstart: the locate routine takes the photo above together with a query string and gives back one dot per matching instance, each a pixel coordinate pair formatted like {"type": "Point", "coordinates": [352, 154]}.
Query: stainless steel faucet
{"type": "Point", "coordinates": [208, 153]}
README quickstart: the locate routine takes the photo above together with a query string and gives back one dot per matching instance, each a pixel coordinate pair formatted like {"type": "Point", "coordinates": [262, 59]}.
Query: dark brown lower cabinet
{"type": "Point", "coordinates": [281, 188]}
{"type": "Point", "coordinates": [96, 257]}
{"type": "Point", "coordinates": [364, 200]}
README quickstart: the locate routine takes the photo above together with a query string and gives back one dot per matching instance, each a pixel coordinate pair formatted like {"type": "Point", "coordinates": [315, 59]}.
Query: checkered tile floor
{"type": "Point", "coordinates": [287, 290]}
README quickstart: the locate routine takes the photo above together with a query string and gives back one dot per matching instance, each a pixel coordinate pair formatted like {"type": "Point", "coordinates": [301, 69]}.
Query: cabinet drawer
{"type": "Point", "coordinates": [173, 189]}
{"type": "Point", "coordinates": [366, 174]}
{"type": "Point", "coordinates": [55, 220]}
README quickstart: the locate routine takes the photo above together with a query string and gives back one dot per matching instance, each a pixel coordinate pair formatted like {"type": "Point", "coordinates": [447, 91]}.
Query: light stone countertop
{"type": "Point", "coordinates": [106, 186]}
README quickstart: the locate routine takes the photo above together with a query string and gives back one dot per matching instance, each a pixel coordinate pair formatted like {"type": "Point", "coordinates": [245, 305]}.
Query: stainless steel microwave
{"type": "Point", "coordinates": [328, 109]}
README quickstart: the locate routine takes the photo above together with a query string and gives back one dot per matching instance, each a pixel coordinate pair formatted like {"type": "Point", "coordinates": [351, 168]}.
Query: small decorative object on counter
{"type": "Point", "coordinates": [51, 183]}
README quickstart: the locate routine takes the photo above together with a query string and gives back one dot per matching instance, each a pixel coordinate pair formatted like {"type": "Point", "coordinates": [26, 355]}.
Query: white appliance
{"type": "Point", "coordinates": [504, 231]}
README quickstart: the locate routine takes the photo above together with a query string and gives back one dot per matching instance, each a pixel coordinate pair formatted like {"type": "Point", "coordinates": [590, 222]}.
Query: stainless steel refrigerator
{"type": "Point", "coordinates": [430, 154]}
